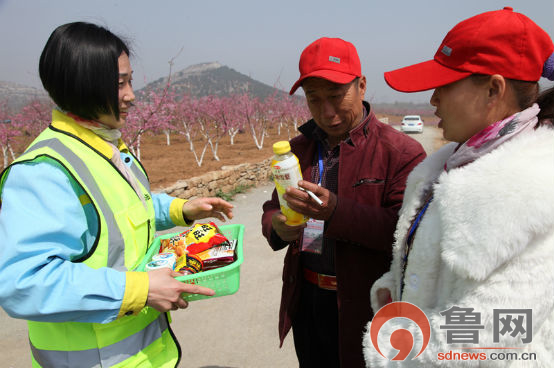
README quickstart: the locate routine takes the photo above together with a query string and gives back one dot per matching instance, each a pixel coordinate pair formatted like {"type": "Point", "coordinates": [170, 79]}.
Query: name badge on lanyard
{"type": "Point", "coordinates": [312, 241]}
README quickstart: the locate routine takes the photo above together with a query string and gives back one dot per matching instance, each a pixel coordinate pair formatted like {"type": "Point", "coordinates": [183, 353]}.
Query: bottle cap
{"type": "Point", "coordinates": [281, 147]}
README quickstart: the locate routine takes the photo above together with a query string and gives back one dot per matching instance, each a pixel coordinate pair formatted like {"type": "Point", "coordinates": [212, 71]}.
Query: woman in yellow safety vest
{"type": "Point", "coordinates": [77, 216]}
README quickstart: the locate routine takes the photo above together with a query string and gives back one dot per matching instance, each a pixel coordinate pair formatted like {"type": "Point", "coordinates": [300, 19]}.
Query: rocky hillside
{"type": "Point", "coordinates": [213, 79]}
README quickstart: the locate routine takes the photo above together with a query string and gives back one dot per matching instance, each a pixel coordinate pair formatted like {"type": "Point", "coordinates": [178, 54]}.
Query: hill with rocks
{"type": "Point", "coordinates": [213, 78]}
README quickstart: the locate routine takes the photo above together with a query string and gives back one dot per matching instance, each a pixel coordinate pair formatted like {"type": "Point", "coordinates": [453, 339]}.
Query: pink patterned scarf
{"type": "Point", "coordinates": [493, 136]}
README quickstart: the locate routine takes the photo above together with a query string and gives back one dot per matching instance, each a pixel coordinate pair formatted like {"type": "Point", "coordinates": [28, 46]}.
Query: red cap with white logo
{"type": "Point", "coordinates": [497, 42]}
{"type": "Point", "coordinates": [332, 59]}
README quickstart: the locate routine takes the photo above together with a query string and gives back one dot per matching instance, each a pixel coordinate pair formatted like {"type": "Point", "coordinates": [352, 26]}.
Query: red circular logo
{"type": "Point", "coordinates": [401, 339]}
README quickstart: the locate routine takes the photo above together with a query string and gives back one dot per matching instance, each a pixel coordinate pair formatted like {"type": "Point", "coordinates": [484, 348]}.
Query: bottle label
{"type": "Point", "coordinates": [286, 174]}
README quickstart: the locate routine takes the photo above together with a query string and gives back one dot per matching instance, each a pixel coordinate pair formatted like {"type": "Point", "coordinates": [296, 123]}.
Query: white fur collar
{"type": "Point", "coordinates": [492, 207]}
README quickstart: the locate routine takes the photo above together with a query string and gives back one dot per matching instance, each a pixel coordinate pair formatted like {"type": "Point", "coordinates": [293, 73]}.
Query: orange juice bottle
{"type": "Point", "coordinates": [286, 173]}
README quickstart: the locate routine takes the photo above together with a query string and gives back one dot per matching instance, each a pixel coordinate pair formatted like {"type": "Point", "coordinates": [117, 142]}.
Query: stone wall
{"type": "Point", "coordinates": [225, 180]}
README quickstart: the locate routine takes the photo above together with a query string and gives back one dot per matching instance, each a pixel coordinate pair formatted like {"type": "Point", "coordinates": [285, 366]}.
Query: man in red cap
{"type": "Point", "coordinates": [357, 166]}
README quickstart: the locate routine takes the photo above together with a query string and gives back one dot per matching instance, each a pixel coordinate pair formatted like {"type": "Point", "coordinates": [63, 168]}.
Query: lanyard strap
{"type": "Point", "coordinates": [320, 163]}
{"type": "Point", "coordinates": [410, 239]}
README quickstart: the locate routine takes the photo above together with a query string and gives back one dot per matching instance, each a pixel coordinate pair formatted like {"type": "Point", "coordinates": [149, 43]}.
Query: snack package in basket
{"type": "Point", "coordinates": [203, 240]}
{"type": "Point", "coordinates": [175, 244]}
{"type": "Point", "coordinates": [189, 264]}
{"type": "Point", "coordinates": [204, 236]}
{"type": "Point", "coordinates": [218, 256]}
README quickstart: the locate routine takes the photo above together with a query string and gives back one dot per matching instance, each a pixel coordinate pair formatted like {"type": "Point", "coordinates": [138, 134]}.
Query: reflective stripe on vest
{"type": "Point", "coordinates": [116, 243]}
{"type": "Point", "coordinates": [139, 174]}
{"type": "Point", "coordinates": [103, 357]}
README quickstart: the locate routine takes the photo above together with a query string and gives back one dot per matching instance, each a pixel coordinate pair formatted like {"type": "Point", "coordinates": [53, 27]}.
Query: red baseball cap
{"type": "Point", "coordinates": [497, 42]}
{"type": "Point", "coordinates": [329, 58]}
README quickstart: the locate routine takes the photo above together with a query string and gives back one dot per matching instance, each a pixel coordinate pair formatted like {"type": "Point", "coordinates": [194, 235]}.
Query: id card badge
{"type": "Point", "coordinates": [312, 240]}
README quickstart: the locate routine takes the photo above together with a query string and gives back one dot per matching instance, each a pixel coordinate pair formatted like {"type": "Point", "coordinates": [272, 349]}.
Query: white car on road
{"type": "Point", "coordinates": [412, 123]}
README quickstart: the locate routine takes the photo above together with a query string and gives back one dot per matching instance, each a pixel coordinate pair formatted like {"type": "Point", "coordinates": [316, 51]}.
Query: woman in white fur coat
{"type": "Point", "coordinates": [484, 240]}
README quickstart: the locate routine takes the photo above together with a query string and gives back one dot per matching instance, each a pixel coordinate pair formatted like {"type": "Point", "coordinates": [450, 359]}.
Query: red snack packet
{"type": "Point", "coordinates": [202, 237]}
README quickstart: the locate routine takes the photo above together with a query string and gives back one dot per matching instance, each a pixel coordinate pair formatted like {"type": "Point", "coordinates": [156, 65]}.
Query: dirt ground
{"type": "Point", "coordinates": [167, 164]}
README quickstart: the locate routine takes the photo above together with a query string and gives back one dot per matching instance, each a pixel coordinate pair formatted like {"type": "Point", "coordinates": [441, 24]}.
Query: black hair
{"type": "Point", "coordinates": [526, 93]}
{"type": "Point", "coordinates": [546, 103]}
{"type": "Point", "coordinates": [79, 69]}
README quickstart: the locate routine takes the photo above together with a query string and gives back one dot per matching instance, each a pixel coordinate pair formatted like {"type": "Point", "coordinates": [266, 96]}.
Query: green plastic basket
{"type": "Point", "coordinates": [224, 280]}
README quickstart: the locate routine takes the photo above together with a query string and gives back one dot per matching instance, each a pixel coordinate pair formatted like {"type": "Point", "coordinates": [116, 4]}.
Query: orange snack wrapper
{"type": "Point", "coordinates": [175, 245]}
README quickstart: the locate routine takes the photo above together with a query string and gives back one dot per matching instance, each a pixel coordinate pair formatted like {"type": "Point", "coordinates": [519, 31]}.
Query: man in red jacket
{"type": "Point", "coordinates": [361, 166]}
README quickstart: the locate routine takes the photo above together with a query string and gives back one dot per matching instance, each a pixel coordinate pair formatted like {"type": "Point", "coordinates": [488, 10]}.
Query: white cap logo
{"type": "Point", "coordinates": [446, 50]}
{"type": "Point", "coordinates": [334, 59]}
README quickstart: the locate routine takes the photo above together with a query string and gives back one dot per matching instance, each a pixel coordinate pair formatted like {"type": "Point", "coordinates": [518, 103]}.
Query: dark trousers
{"type": "Point", "coordinates": [315, 328]}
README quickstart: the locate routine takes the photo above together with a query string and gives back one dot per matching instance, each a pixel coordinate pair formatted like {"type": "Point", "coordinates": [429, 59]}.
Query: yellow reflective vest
{"type": "Point", "coordinates": [126, 228]}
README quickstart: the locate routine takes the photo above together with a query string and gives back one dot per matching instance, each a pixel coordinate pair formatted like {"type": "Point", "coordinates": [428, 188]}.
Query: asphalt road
{"type": "Point", "coordinates": [430, 139]}
{"type": "Point", "coordinates": [235, 331]}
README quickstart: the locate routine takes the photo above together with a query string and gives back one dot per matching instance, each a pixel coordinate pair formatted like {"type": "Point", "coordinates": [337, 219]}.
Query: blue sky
{"type": "Point", "coordinates": [262, 39]}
